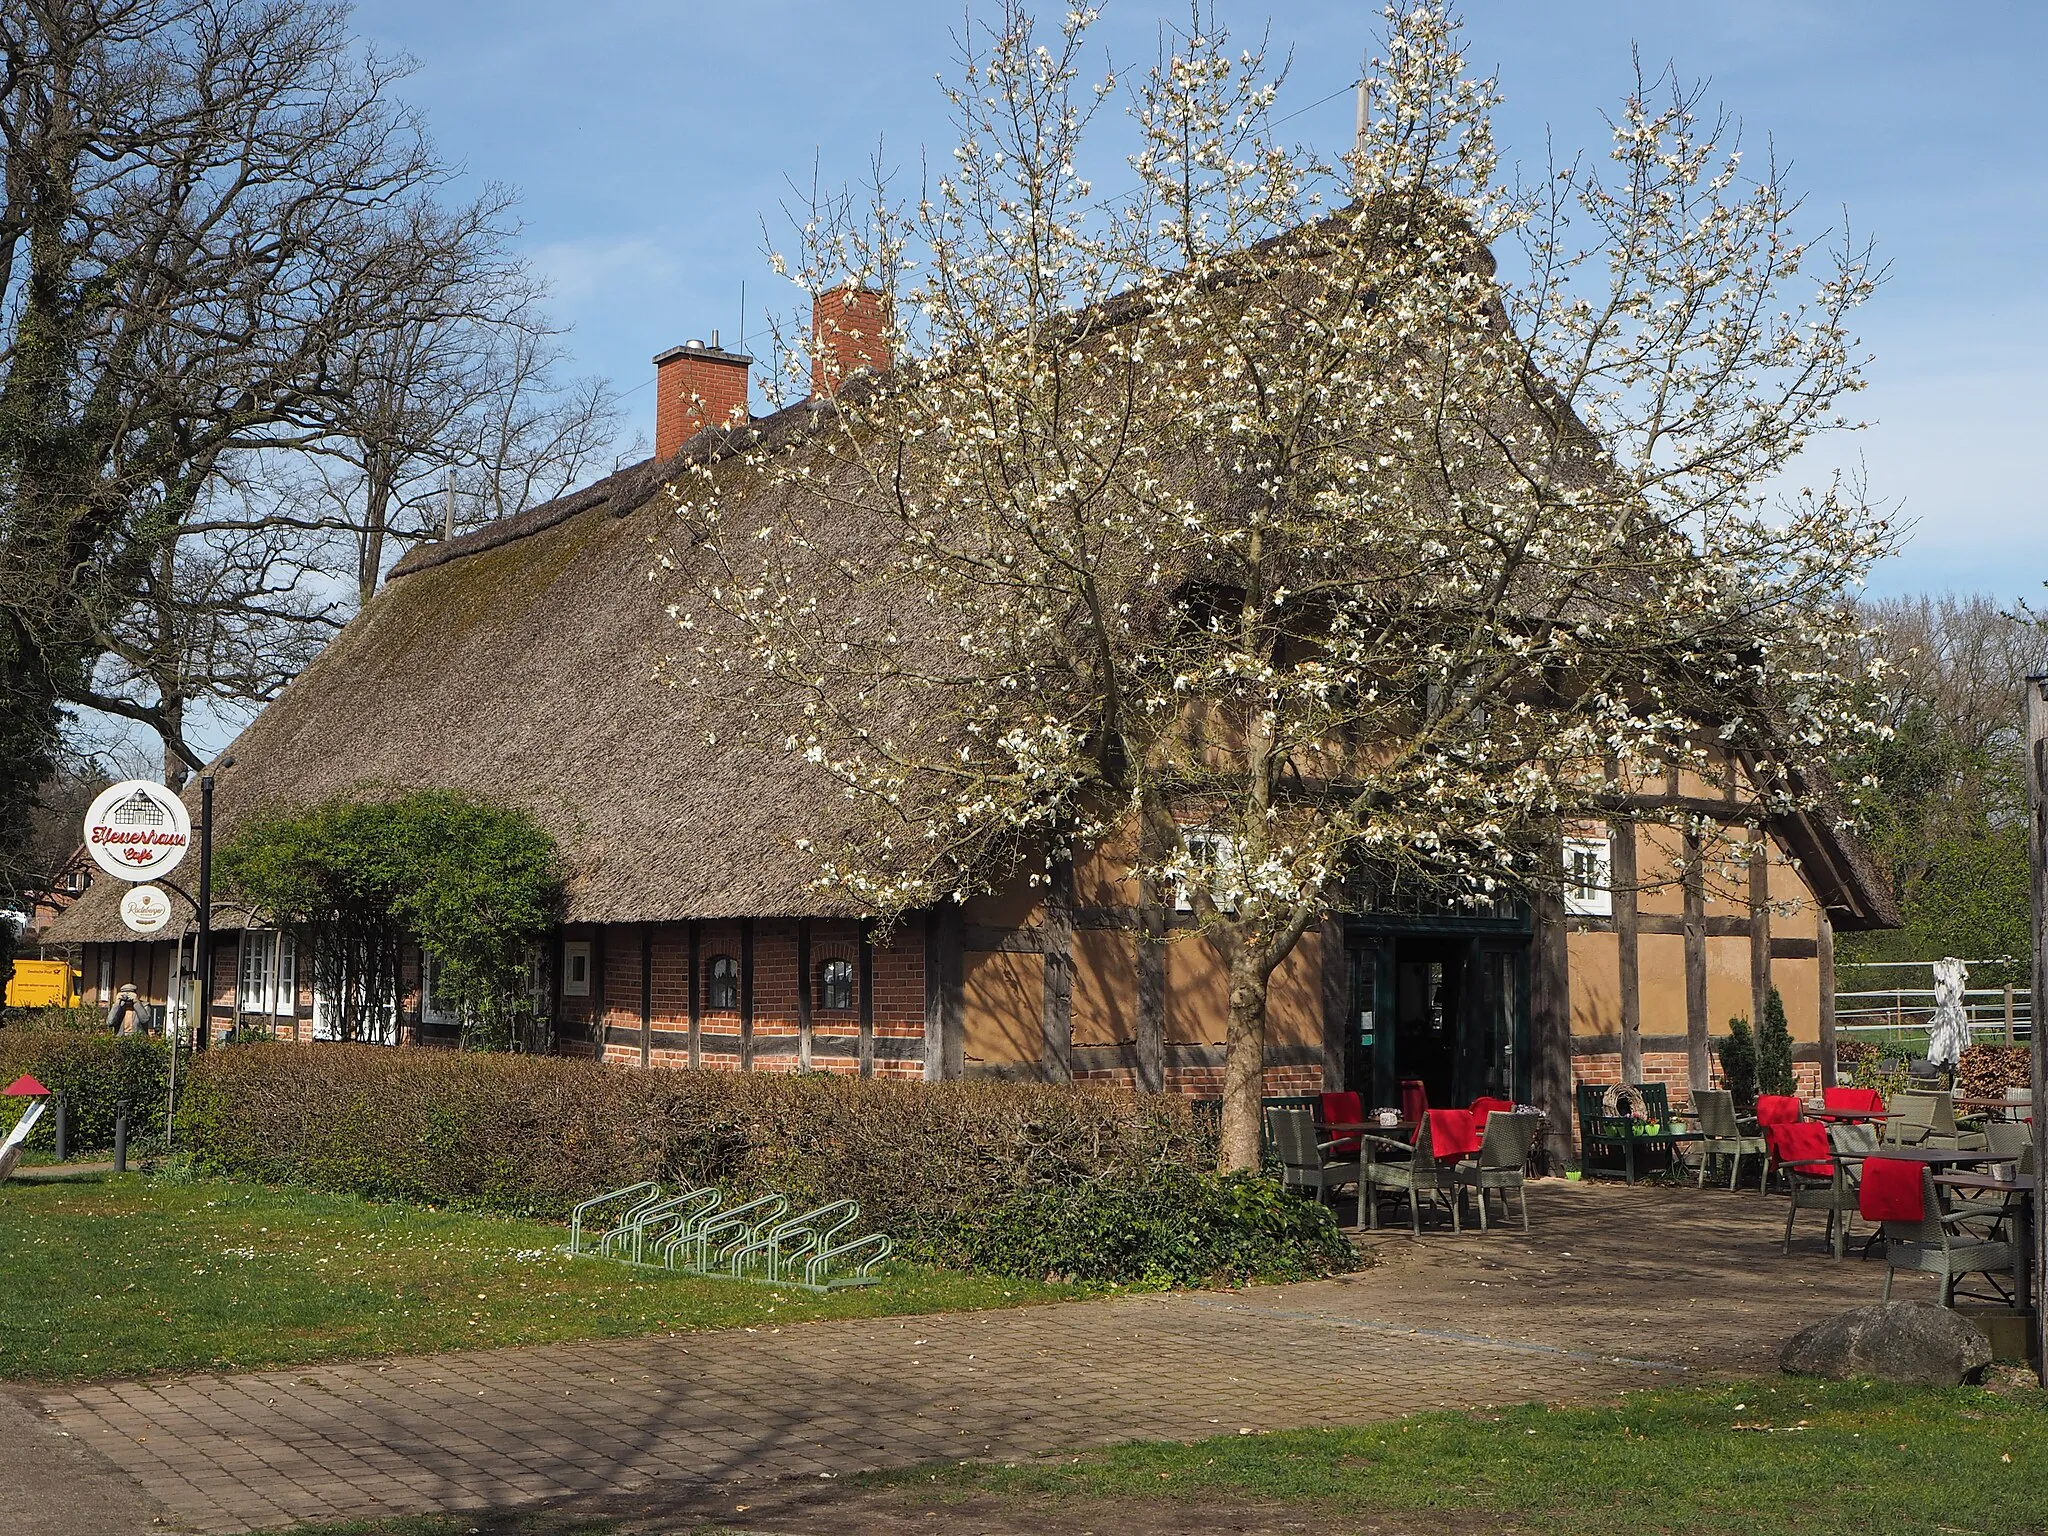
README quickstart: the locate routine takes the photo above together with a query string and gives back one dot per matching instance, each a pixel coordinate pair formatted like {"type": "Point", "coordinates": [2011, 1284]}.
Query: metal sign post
{"type": "Point", "coordinates": [2037, 847]}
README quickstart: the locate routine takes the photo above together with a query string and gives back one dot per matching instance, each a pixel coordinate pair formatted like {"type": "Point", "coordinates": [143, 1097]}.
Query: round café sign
{"type": "Point", "coordinates": [137, 829]}
{"type": "Point", "coordinates": [146, 908]}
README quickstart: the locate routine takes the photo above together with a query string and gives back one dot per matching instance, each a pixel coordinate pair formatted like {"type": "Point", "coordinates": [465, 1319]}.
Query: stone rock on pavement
{"type": "Point", "coordinates": [1913, 1343]}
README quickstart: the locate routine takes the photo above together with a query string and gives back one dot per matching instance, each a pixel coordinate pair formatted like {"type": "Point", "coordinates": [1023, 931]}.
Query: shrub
{"type": "Point", "coordinates": [93, 1072]}
{"type": "Point", "coordinates": [1774, 1049]}
{"type": "Point", "coordinates": [1010, 1177]}
{"type": "Point", "coordinates": [1738, 1063]}
{"type": "Point", "coordinates": [1988, 1070]}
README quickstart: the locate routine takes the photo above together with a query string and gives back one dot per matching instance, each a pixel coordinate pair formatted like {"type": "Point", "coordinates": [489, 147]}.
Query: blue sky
{"type": "Point", "coordinates": [650, 140]}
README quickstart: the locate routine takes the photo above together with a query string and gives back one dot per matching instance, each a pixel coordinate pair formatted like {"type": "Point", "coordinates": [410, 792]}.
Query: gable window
{"type": "Point", "coordinates": [576, 969]}
{"type": "Point", "coordinates": [1588, 877]}
{"type": "Point", "coordinates": [835, 985]}
{"type": "Point", "coordinates": [1214, 853]}
{"type": "Point", "coordinates": [722, 985]}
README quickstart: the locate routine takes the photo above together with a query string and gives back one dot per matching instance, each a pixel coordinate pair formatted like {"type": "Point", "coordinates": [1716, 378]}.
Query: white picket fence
{"type": "Point", "coordinates": [1998, 1015]}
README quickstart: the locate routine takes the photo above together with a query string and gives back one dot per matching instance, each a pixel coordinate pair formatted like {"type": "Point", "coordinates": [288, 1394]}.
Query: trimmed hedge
{"type": "Point", "coordinates": [1005, 1177]}
{"type": "Point", "coordinates": [93, 1072]}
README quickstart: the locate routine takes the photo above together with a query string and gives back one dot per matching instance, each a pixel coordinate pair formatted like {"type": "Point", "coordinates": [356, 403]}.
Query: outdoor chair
{"type": "Point", "coordinates": [2019, 1103]}
{"type": "Point", "coordinates": [1414, 1170]}
{"type": "Point", "coordinates": [1414, 1100]}
{"type": "Point", "coordinates": [1815, 1178]}
{"type": "Point", "coordinates": [1503, 1154]}
{"type": "Point", "coordinates": [1724, 1134]}
{"type": "Point", "coordinates": [1774, 1109]}
{"type": "Point", "coordinates": [1852, 1098]}
{"type": "Point", "coordinates": [1920, 1235]}
{"type": "Point", "coordinates": [1305, 1162]}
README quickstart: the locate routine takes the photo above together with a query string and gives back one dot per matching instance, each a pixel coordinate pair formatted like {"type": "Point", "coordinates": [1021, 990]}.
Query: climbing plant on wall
{"type": "Point", "coordinates": [475, 886]}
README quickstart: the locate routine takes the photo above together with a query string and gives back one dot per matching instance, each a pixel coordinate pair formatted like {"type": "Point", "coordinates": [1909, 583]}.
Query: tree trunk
{"type": "Point", "coordinates": [1244, 1064]}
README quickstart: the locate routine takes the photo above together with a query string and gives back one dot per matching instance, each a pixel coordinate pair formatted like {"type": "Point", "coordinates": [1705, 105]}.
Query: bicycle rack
{"type": "Point", "coordinates": [693, 1232]}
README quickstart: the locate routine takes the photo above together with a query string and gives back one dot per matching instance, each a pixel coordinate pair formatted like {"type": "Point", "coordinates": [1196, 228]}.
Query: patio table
{"type": "Point", "coordinates": [1400, 1130]}
{"type": "Point", "coordinates": [1983, 1101]}
{"type": "Point", "coordinates": [1941, 1157]}
{"type": "Point", "coordinates": [1849, 1116]}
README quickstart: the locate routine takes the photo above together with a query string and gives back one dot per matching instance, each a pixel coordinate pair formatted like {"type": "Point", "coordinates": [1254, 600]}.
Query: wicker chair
{"type": "Point", "coordinates": [1817, 1178]}
{"type": "Point", "coordinates": [1305, 1163]}
{"type": "Point", "coordinates": [1942, 1243]}
{"type": "Point", "coordinates": [1724, 1134]}
{"type": "Point", "coordinates": [1498, 1166]}
{"type": "Point", "coordinates": [1411, 1170]}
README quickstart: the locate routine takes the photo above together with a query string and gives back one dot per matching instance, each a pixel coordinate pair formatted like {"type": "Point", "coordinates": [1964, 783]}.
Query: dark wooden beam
{"type": "Point", "coordinates": [1628, 949]}
{"type": "Point", "coordinates": [1550, 1018]}
{"type": "Point", "coordinates": [646, 994]}
{"type": "Point", "coordinates": [746, 994]}
{"type": "Point", "coordinates": [1823, 951]}
{"type": "Point", "coordinates": [1056, 1021]}
{"type": "Point", "coordinates": [803, 994]}
{"type": "Point", "coordinates": [694, 976]}
{"type": "Point", "coordinates": [1759, 933]}
{"type": "Point", "coordinates": [866, 982]}
{"type": "Point", "coordinates": [1699, 1061]}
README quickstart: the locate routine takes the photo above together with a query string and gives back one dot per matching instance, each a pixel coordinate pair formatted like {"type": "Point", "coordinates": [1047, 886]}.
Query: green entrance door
{"type": "Point", "coordinates": [1448, 1008]}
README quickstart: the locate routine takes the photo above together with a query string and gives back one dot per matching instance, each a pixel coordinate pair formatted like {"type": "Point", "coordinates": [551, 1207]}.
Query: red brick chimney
{"type": "Point", "coordinates": [695, 387]}
{"type": "Point", "coordinates": [849, 332]}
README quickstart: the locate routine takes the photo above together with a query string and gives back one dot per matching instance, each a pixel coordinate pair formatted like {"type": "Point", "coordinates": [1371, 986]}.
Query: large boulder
{"type": "Point", "coordinates": [1914, 1343]}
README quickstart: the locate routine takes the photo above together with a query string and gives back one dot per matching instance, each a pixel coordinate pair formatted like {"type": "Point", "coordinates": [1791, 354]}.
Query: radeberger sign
{"type": "Point", "coordinates": [137, 830]}
{"type": "Point", "coordinates": [146, 909]}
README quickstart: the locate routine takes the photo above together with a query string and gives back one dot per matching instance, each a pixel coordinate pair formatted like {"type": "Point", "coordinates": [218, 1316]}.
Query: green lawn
{"type": "Point", "coordinates": [1780, 1457]}
{"type": "Point", "coordinates": [116, 1276]}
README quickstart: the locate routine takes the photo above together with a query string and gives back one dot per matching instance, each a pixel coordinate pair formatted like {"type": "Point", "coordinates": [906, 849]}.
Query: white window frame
{"type": "Point", "coordinates": [1211, 850]}
{"type": "Point", "coordinates": [285, 978]}
{"type": "Point", "coordinates": [575, 960]}
{"type": "Point", "coordinates": [256, 993]}
{"type": "Point", "coordinates": [1588, 877]}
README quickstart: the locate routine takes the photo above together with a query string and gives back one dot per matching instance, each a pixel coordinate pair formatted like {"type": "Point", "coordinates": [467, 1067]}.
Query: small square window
{"type": "Point", "coordinates": [576, 970]}
{"type": "Point", "coordinates": [835, 985]}
{"type": "Point", "coordinates": [1588, 877]}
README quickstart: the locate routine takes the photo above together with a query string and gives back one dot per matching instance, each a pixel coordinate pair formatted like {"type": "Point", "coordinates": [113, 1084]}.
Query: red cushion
{"type": "Point", "coordinates": [1801, 1145]}
{"type": "Point", "coordinates": [1343, 1109]}
{"type": "Point", "coordinates": [1776, 1109]}
{"type": "Point", "coordinates": [1481, 1108]}
{"type": "Point", "coordinates": [1452, 1133]}
{"type": "Point", "coordinates": [1891, 1190]}
{"type": "Point", "coordinates": [1852, 1098]}
{"type": "Point", "coordinates": [1414, 1100]}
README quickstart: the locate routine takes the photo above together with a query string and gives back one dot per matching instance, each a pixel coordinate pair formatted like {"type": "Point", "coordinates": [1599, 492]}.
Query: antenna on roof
{"type": "Point", "coordinates": [1364, 122]}
{"type": "Point", "coordinates": [743, 314]}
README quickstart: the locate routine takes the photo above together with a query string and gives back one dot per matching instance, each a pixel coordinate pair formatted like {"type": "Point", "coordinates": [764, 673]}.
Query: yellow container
{"type": "Point", "coordinates": [42, 984]}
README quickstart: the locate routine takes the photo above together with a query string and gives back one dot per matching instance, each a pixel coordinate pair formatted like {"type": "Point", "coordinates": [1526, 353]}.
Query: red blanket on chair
{"type": "Point", "coordinates": [1852, 1098]}
{"type": "Point", "coordinates": [1453, 1133]}
{"type": "Point", "coordinates": [1802, 1146]}
{"type": "Point", "coordinates": [1776, 1109]}
{"type": "Point", "coordinates": [1481, 1108]}
{"type": "Point", "coordinates": [1892, 1190]}
{"type": "Point", "coordinates": [1343, 1109]}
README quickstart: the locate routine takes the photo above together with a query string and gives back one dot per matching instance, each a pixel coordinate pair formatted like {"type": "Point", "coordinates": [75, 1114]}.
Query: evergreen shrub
{"type": "Point", "coordinates": [94, 1072]}
{"type": "Point", "coordinates": [1738, 1063]}
{"type": "Point", "coordinates": [1011, 1178]}
{"type": "Point", "coordinates": [1774, 1049]}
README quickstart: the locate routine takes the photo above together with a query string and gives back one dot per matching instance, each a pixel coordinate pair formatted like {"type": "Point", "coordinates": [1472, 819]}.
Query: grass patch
{"type": "Point", "coordinates": [1758, 1460]}
{"type": "Point", "coordinates": [117, 1276]}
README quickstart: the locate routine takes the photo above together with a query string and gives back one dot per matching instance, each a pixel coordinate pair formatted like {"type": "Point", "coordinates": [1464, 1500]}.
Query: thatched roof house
{"type": "Point", "coordinates": [524, 662]}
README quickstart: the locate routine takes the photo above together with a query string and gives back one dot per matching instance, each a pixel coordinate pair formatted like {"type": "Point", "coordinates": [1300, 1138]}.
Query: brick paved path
{"type": "Point", "coordinates": [1615, 1290]}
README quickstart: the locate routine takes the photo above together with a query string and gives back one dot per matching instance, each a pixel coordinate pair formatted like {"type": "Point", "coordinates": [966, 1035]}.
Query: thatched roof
{"type": "Point", "coordinates": [520, 663]}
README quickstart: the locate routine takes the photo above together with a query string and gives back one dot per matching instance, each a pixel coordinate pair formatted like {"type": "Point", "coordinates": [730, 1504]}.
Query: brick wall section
{"type": "Point", "coordinates": [694, 387]}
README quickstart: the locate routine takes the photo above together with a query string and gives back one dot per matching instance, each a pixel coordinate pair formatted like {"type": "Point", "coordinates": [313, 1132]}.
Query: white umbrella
{"type": "Point", "coordinates": [1950, 1032]}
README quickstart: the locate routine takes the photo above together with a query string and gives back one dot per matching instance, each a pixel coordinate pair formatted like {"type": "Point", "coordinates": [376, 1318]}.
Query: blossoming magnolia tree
{"type": "Point", "coordinates": [1261, 500]}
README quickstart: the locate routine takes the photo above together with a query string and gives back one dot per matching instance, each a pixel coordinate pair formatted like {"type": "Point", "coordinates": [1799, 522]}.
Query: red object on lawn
{"type": "Point", "coordinates": [24, 1086]}
{"type": "Point", "coordinates": [1343, 1109]}
{"type": "Point", "coordinates": [1852, 1098]}
{"type": "Point", "coordinates": [1777, 1109]}
{"type": "Point", "coordinates": [1892, 1190]}
{"type": "Point", "coordinates": [1452, 1133]}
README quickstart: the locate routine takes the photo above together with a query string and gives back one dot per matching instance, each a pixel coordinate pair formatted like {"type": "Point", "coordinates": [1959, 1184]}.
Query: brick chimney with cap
{"type": "Point", "coordinates": [695, 387]}
{"type": "Point", "coordinates": [849, 332]}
